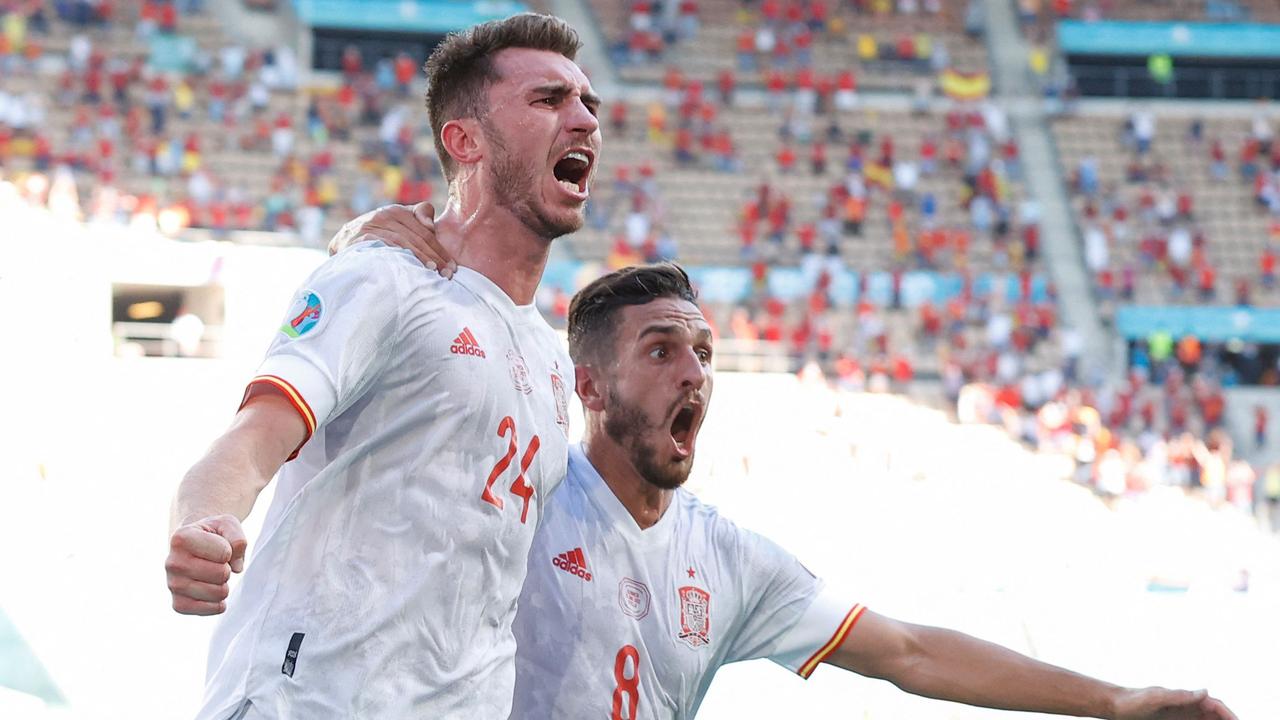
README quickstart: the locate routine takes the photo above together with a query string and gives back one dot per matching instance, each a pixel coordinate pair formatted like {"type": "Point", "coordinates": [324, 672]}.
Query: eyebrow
{"type": "Point", "coordinates": [700, 335]}
{"type": "Point", "coordinates": [560, 90]}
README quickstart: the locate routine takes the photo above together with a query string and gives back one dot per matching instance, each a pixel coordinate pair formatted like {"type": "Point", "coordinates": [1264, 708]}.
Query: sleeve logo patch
{"type": "Point", "coordinates": [304, 314]}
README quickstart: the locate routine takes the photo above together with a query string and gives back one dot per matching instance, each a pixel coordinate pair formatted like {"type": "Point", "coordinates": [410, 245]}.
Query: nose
{"type": "Point", "coordinates": [693, 374]}
{"type": "Point", "coordinates": [581, 120]}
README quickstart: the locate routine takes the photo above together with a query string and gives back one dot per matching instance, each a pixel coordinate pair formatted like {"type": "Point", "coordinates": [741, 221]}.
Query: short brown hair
{"type": "Point", "coordinates": [592, 310]}
{"type": "Point", "coordinates": [461, 69]}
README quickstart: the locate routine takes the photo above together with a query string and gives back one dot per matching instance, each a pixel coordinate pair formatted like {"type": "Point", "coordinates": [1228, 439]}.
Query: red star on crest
{"type": "Point", "coordinates": [690, 571]}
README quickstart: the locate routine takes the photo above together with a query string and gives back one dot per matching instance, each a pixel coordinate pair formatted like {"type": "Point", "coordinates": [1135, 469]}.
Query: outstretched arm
{"type": "Point", "coordinates": [207, 542]}
{"type": "Point", "coordinates": [949, 665]}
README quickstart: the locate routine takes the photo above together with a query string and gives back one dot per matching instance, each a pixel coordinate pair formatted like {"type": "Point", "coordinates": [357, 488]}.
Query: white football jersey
{"type": "Point", "coordinates": [384, 583]}
{"type": "Point", "coordinates": [619, 622]}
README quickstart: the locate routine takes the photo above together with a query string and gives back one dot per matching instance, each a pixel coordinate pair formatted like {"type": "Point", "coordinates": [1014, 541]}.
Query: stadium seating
{"type": "Point", "coordinates": [1235, 227]}
{"type": "Point", "coordinates": [860, 36]}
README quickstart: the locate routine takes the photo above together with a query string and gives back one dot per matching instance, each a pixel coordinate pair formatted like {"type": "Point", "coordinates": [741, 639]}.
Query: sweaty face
{"type": "Point", "coordinates": [659, 386]}
{"type": "Point", "coordinates": [543, 140]}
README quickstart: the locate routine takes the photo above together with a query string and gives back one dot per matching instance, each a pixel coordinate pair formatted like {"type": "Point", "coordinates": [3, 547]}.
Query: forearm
{"type": "Point", "coordinates": [228, 479]}
{"type": "Point", "coordinates": [957, 667]}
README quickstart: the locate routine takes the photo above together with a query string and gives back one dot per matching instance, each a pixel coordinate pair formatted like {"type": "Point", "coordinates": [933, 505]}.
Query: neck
{"type": "Point", "coordinates": [642, 499]}
{"type": "Point", "coordinates": [494, 243]}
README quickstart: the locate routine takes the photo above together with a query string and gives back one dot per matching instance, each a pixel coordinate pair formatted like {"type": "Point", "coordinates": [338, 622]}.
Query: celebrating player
{"type": "Point", "coordinates": [426, 420]}
{"type": "Point", "coordinates": [637, 592]}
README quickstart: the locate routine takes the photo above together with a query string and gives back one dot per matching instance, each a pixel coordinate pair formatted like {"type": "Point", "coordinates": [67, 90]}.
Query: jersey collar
{"type": "Point", "coordinates": [493, 295]}
{"type": "Point", "coordinates": [586, 475]}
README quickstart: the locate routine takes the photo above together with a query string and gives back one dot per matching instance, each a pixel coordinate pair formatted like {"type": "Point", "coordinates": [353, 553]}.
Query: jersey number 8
{"type": "Point", "coordinates": [628, 688]}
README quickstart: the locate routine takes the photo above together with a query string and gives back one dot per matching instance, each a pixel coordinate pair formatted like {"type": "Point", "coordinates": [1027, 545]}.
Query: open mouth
{"type": "Point", "coordinates": [573, 170]}
{"type": "Point", "coordinates": [682, 428]}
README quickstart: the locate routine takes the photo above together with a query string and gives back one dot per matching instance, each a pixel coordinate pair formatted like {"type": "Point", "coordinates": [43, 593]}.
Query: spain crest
{"type": "Point", "coordinates": [519, 372]}
{"type": "Point", "coordinates": [562, 401]}
{"type": "Point", "coordinates": [695, 616]}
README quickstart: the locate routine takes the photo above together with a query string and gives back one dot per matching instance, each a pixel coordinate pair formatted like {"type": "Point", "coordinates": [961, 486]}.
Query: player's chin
{"type": "Point", "coordinates": [565, 220]}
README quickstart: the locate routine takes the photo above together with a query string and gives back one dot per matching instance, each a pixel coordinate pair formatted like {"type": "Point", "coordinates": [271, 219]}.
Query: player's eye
{"type": "Point", "coordinates": [550, 101]}
{"type": "Point", "coordinates": [658, 352]}
{"type": "Point", "coordinates": [704, 355]}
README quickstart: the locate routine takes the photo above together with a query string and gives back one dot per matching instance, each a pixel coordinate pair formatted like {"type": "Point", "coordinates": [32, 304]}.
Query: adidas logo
{"type": "Point", "coordinates": [573, 562]}
{"type": "Point", "coordinates": [465, 344]}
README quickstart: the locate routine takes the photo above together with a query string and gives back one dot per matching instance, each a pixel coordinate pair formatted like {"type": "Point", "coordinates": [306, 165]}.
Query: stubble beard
{"type": "Point", "coordinates": [515, 185]}
{"type": "Point", "coordinates": [627, 425]}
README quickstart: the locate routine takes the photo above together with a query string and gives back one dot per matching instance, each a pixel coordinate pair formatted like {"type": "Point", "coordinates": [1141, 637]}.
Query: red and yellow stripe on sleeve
{"type": "Point", "coordinates": [295, 399]}
{"type": "Point", "coordinates": [825, 651]}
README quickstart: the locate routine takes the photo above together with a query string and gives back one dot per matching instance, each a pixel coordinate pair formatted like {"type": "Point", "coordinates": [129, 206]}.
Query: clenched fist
{"type": "Point", "coordinates": [202, 556]}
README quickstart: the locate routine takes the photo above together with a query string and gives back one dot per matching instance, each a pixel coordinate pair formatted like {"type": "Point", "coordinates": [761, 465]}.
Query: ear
{"type": "Point", "coordinates": [590, 391]}
{"type": "Point", "coordinates": [464, 140]}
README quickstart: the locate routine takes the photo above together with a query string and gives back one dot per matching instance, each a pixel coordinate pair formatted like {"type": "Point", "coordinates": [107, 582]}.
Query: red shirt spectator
{"type": "Point", "coordinates": [807, 233]}
{"type": "Point", "coordinates": [352, 63]}
{"type": "Point", "coordinates": [1106, 279]}
{"type": "Point", "coordinates": [818, 158]}
{"type": "Point", "coordinates": [1184, 204]}
{"type": "Point", "coordinates": [347, 95]}
{"type": "Point", "coordinates": [168, 17]}
{"type": "Point", "coordinates": [928, 149]}
{"type": "Point", "coordinates": [804, 78]}
{"type": "Point", "coordinates": [818, 12]}
{"type": "Point", "coordinates": [1267, 265]}
{"type": "Point", "coordinates": [895, 211]}
{"type": "Point", "coordinates": [781, 51]}
{"type": "Point", "coordinates": [795, 12]}
{"type": "Point", "coordinates": [846, 80]}
{"type": "Point", "coordinates": [930, 319]}
{"type": "Point", "coordinates": [803, 40]}
{"type": "Point", "coordinates": [405, 69]}
{"type": "Point", "coordinates": [1243, 292]}
{"type": "Point", "coordinates": [672, 80]}
{"type": "Point", "coordinates": [726, 82]}
{"type": "Point", "coordinates": [886, 150]}
{"type": "Point", "coordinates": [902, 370]}
{"type": "Point", "coordinates": [775, 82]}
{"type": "Point", "coordinates": [1208, 279]}
{"type": "Point", "coordinates": [906, 46]}
{"type": "Point", "coordinates": [786, 158]}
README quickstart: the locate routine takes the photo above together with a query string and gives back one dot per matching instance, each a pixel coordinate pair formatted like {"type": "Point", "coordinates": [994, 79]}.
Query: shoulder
{"type": "Point", "coordinates": [392, 273]}
{"type": "Point", "coordinates": [706, 521]}
{"type": "Point", "coordinates": [719, 531]}
{"type": "Point", "coordinates": [373, 255]}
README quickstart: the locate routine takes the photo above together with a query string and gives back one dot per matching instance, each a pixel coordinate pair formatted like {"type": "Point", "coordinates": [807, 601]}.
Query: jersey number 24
{"type": "Point", "coordinates": [520, 487]}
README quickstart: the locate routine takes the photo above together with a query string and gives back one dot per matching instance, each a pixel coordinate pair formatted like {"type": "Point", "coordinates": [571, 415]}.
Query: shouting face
{"type": "Point", "coordinates": [659, 384]}
{"type": "Point", "coordinates": [542, 140]}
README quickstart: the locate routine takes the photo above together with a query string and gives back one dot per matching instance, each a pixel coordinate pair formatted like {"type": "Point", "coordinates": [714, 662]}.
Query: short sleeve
{"type": "Point", "coordinates": [791, 617]}
{"type": "Point", "coordinates": [337, 334]}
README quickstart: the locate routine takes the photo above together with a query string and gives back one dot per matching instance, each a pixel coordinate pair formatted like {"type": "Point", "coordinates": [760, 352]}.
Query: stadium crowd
{"type": "Point", "coordinates": [139, 145]}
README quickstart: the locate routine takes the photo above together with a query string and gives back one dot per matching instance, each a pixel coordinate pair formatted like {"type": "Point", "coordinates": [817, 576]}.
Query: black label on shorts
{"type": "Point", "coordinates": [291, 655]}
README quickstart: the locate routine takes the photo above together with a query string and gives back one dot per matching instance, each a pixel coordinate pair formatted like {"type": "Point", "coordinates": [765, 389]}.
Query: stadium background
{"type": "Point", "coordinates": [966, 284]}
